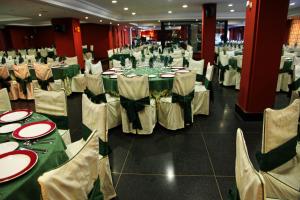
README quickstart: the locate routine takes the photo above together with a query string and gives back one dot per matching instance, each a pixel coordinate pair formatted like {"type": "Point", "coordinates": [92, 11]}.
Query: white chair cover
{"type": "Point", "coordinates": [171, 115]}
{"type": "Point", "coordinates": [196, 66]}
{"type": "Point", "coordinates": [238, 75]}
{"type": "Point", "coordinates": [71, 60]}
{"type": "Point", "coordinates": [96, 68]}
{"type": "Point", "coordinates": [202, 95]}
{"type": "Point", "coordinates": [4, 101]}
{"type": "Point", "coordinates": [279, 127]}
{"type": "Point", "coordinates": [229, 75]}
{"type": "Point", "coordinates": [249, 182]}
{"type": "Point", "coordinates": [52, 103]}
{"type": "Point", "coordinates": [136, 88]}
{"type": "Point", "coordinates": [75, 179]}
{"type": "Point", "coordinates": [177, 62]}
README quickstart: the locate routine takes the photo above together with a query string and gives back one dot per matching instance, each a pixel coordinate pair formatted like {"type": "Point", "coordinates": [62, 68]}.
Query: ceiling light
{"type": "Point", "coordinates": [118, 24]}
{"type": "Point", "coordinates": [158, 20]}
{"type": "Point", "coordinates": [292, 4]}
{"type": "Point", "coordinates": [86, 17]}
{"type": "Point", "coordinates": [184, 6]}
{"type": "Point", "coordinates": [230, 5]}
{"type": "Point", "coordinates": [232, 10]}
{"type": "Point", "coordinates": [110, 22]}
{"type": "Point", "coordinates": [125, 8]}
{"type": "Point", "coordinates": [100, 20]}
{"type": "Point", "coordinates": [133, 13]}
{"type": "Point", "coordinates": [170, 11]}
{"type": "Point", "coordinates": [114, 1]}
{"type": "Point", "coordinates": [40, 14]}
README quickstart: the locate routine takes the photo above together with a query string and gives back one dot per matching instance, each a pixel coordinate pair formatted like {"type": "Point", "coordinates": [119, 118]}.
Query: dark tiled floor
{"type": "Point", "coordinates": [194, 163]}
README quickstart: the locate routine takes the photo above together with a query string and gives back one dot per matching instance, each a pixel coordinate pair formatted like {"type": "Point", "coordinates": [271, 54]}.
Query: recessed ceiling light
{"type": "Point", "coordinates": [118, 24]}
{"type": "Point", "coordinates": [232, 10]}
{"type": "Point", "coordinates": [110, 22]}
{"type": "Point", "coordinates": [40, 14]}
{"type": "Point", "coordinates": [86, 17]}
{"type": "Point", "coordinates": [114, 1]}
{"type": "Point", "coordinates": [184, 6]}
{"type": "Point", "coordinates": [133, 13]}
{"type": "Point", "coordinates": [292, 4]}
{"type": "Point", "coordinates": [170, 11]}
{"type": "Point", "coordinates": [230, 5]}
{"type": "Point", "coordinates": [158, 20]}
{"type": "Point", "coordinates": [100, 20]}
{"type": "Point", "coordinates": [125, 8]}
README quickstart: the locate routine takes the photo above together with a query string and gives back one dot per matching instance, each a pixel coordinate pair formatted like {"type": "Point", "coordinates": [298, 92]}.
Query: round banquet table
{"type": "Point", "coordinates": [158, 86]}
{"type": "Point", "coordinates": [26, 187]}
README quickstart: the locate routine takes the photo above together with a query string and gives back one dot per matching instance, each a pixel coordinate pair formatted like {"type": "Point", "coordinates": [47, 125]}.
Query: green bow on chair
{"type": "Point", "coordinates": [23, 83]}
{"type": "Point", "coordinates": [95, 98]}
{"type": "Point", "coordinates": [132, 108]}
{"type": "Point", "coordinates": [5, 83]}
{"type": "Point", "coordinates": [222, 71]}
{"type": "Point", "coordinates": [44, 83]}
{"type": "Point", "coordinates": [185, 103]}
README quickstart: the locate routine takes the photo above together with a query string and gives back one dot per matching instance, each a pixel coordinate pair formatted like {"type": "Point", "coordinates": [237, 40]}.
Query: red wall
{"type": "Point", "coordinates": [236, 33]}
{"type": "Point", "coordinates": [97, 35]}
{"type": "Point", "coordinates": [44, 36]}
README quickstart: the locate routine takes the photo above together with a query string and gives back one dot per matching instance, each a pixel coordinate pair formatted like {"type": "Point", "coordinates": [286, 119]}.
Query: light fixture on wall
{"type": "Point", "coordinates": [249, 4]}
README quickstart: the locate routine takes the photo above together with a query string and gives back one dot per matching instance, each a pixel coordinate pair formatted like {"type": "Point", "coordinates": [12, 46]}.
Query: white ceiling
{"type": "Point", "coordinates": [25, 12]}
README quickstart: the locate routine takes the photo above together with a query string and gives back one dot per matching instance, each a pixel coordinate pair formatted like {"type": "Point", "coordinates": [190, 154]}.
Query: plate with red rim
{"type": "Point", "coordinates": [108, 73]}
{"type": "Point", "coordinates": [167, 75]}
{"type": "Point", "coordinates": [182, 71]}
{"type": "Point", "coordinates": [34, 130]}
{"type": "Point", "coordinates": [15, 115]}
{"type": "Point", "coordinates": [16, 163]}
{"type": "Point", "coordinates": [8, 147]}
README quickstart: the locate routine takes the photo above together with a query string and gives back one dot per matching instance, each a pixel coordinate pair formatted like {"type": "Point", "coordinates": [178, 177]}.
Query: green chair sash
{"type": "Point", "coordinates": [295, 85]}
{"type": "Point", "coordinates": [278, 156]}
{"type": "Point", "coordinates": [3, 61]}
{"type": "Point", "coordinates": [200, 77]}
{"type": "Point", "coordinates": [287, 67]}
{"type": "Point", "coordinates": [207, 84]}
{"type": "Point", "coordinates": [185, 103]}
{"type": "Point", "coordinates": [104, 148]}
{"type": "Point", "coordinates": [222, 71]}
{"type": "Point", "coordinates": [132, 108]}
{"type": "Point", "coordinates": [5, 83]}
{"type": "Point", "coordinates": [233, 193]}
{"type": "Point", "coordinates": [100, 98]}
{"type": "Point", "coordinates": [45, 83]}
{"type": "Point", "coordinates": [23, 83]}
{"type": "Point", "coordinates": [62, 122]}
{"type": "Point", "coordinates": [96, 193]}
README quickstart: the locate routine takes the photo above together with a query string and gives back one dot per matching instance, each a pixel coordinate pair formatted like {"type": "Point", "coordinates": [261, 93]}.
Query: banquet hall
{"type": "Point", "coordinates": [149, 100]}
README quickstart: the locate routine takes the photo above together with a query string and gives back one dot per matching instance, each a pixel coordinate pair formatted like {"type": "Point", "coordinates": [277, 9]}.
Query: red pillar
{"type": "Point", "coordinates": [208, 32]}
{"type": "Point", "coordinates": [264, 32]}
{"type": "Point", "coordinates": [67, 38]}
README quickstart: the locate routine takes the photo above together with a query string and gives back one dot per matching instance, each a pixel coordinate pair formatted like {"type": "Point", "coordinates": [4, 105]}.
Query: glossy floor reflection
{"type": "Point", "coordinates": [194, 163]}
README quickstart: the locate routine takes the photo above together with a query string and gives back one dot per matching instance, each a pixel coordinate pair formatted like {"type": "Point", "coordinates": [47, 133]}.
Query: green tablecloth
{"type": "Point", "coordinates": [26, 186]}
{"type": "Point", "coordinates": [158, 86]}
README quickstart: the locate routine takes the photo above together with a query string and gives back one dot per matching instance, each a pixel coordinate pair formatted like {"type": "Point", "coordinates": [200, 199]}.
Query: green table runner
{"type": "Point", "coordinates": [26, 186]}
{"type": "Point", "coordinates": [158, 86]}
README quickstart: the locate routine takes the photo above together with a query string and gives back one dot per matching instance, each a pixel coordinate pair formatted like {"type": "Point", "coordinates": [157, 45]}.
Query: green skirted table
{"type": "Point", "coordinates": [159, 87]}
{"type": "Point", "coordinates": [26, 187]}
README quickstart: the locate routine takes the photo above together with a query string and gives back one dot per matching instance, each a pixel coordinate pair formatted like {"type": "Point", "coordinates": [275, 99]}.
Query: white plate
{"type": "Point", "coordinates": [131, 75]}
{"type": "Point", "coordinates": [9, 127]}
{"type": "Point", "coordinates": [167, 75]}
{"type": "Point", "coordinates": [182, 71]}
{"type": "Point", "coordinates": [152, 76]}
{"type": "Point", "coordinates": [108, 73]}
{"type": "Point", "coordinates": [8, 147]}
{"type": "Point", "coordinates": [114, 76]}
{"type": "Point", "coordinates": [16, 115]}
{"type": "Point", "coordinates": [34, 130]}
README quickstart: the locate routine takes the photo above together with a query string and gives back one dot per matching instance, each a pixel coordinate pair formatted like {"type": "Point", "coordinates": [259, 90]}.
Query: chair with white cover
{"type": "Point", "coordinates": [31, 52]}
{"type": "Point", "coordinates": [279, 160]}
{"type": "Point", "coordinates": [296, 60]}
{"type": "Point", "coordinates": [96, 68]}
{"type": "Point", "coordinates": [110, 53]}
{"type": "Point", "coordinates": [227, 73]}
{"type": "Point", "coordinates": [6, 82]}
{"type": "Point", "coordinates": [78, 178]}
{"type": "Point", "coordinates": [53, 104]}
{"type": "Point", "coordinates": [94, 117]}
{"type": "Point", "coordinates": [25, 86]}
{"type": "Point", "coordinates": [12, 53]}
{"type": "Point", "coordinates": [202, 93]}
{"type": "Point", "coordinates": [71, 60]}
{"type": "Point", "coordinates": [284, 76]}
{"type": "Point", "coordinates": [138, 110]}
{"type": "Point", "coordinates": [45, 79]}
{"type": "Point", "coordinates": [95, 91]}
{"type": "Point", "coordinates": [238, 72]}
{"type": "Point", "coordinates": [116, 63]}
{"type": "Point", "coordinates": [176, 111]}
{"type": "Point", "coordinates": [250, 185]}
{"type": "Point", "coordinates": [177, 62]}
{"type": "Point", "coordinates": [31, 59]}
{"type": "Point", "coordinates": [4, 101]}
{"type": "Point", "coordinates": [198, 68]}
